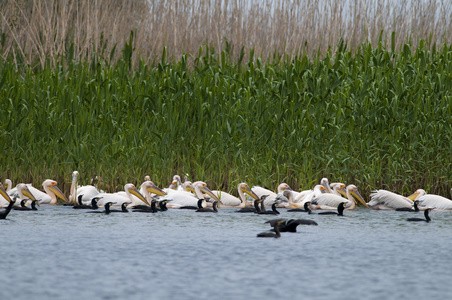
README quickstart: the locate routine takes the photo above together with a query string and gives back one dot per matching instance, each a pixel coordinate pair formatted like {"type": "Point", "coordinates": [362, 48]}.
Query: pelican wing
{"type": "Point", "coordinates": [383, 199]}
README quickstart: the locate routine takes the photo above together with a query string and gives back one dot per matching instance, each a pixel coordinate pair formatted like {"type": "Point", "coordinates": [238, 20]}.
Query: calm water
{"type": "Point", "coordinates": [62, 253]}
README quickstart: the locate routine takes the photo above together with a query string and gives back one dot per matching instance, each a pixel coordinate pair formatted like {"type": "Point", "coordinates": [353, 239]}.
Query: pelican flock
{"type": "Point", "coordinates": [326, 197]}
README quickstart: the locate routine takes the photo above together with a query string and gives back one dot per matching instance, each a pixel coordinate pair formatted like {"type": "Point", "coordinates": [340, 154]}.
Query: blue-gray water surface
{"type": "Point", "coordinates": [61, 253]}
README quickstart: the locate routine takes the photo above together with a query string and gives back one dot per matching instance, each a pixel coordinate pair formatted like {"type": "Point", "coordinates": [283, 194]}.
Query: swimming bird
{"type": "Point", "coordinates": [297, 200]}
{"type": "Point", "coordinates": [121, 197]}
{"type": "Point", "coordinates": [305, 208]}
{"type": "Point", "coordinates": [426, 219]}
{"type": "Point", "coordinates": [80, 204]}
{"type": "Point", "coordinates": [384, 199]}
{"type": "Point", "coordinates": [335, 188]}
{"type": "Point", "coordinates": [290, 225]}
{"type": "Point", "coordinates": [51, 192]}
{"type": "Point", "coordinates": [122, 210]}
{"type": "Point", "coordinates": [23, 207]}
{"type": "Point", "coordinates": [340, 210]}
{"type": "Point", "coordinates": [4, 213]}
{"type": "Point", "coordinates": [331, 201]}
{"type": "Point", "coordinates": [230, 200]}
{"type": "Point", "coordinates": [87, 191]}
{"type": "Point", "coordinates": [271, 196]}
{"type": "Point", "coordinates": [106, 211]}
{"type": "Point", "coordinates": [434, 201]}
{"type": "Point", "coordinates": [4, 195]}
{"type": "Point", "coordinates": [275, 234]}
{"type": "Point", "coordinates": [4, 200]}
{"type": "Point", "coordinates": [162, 205]}
{"type": "Point", "coordinates": [182, 198]}
{"type": "Point", "coordinates": [147, 189]}
{"type": "Point", "coordinates": [415, 207]}
{"type": "Point", "coordinates": [22, 191]}
{"type": "Point", "coordinates": [147, 209]}
{"type": "Point", "coordinates": [270, 212]}
{"type": "Point", "coordinates": [214, 208]}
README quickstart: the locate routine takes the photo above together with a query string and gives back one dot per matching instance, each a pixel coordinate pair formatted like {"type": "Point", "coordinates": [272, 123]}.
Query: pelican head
{"type": "Point", "coordinates": [202, 186]}
{"type": "Point", "coordinates": [340, 188]}
{"type": "Point", "coordinates": [131, 189]}
{"type": "Point", "coordinates": [153, 189]}
{"type": "Point", "coordinates": [147, 178]}
{"type": "Point", "coordinates": [325, 183]}
{"type": "Point", "coordinates": [188, 186]}
{"type": "Point", "coordinates": [416, 194]}
{"type": "Point", "coordinates": [3, 193]}
{"type": "Point", "coordinates": [23, 188]}
{"type": "Point", "coordinates": [52, 185]}
{"type": "Point", "coordinates": [353, 190]}
{"type": "Point", "coordinates": [283, 186]}
{"type": "Point", "coordinates": [245, 188]}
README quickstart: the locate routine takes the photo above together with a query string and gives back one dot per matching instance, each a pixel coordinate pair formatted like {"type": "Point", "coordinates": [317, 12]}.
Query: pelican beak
{"type": "Point", "coordinates": [358, 196]}
{"type": "Point", "coordinates": [27, 193]}
{"type": "Point", "coordinates": [343, 191]}
{"type": "Point", "coordinates": [250, 192]}
{"type": "Point", "coordinates": [191, 189]}
{"type": "Point", "coordinates": [413, 196]}
{"type": "Point", "coordinates": [58, 192]}
{"type": "Point", "coordinates": [3, 193]}
{"type": "Point", "coordinates": [153, 189]}
{"type": "Point", "coordinates": [206, 190]}
{"type": "Point", "coordinates": [136, 193]}
{"type": "Point", "coordinates": [173, 185]}
{"type": "Point", "coordinates": [326, 188]}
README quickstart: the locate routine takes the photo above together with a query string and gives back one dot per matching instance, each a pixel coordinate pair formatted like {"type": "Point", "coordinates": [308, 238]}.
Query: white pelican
{"type": "Point", "coordinates": [120, 197]}
{"type": "Point", "coordinates": [88, 191]}
{"type": "Point", "coordinates": [331, 201]}
{"type": "Point", "coordinates": [383, 199]}
{"type": "Point", "coordinates": [147, 188]}
{"type": "Point", "coordinates": [298, 201]}
{"type": "Point", "coordinates": [23, 192]}
{"type": "Point", "coordinates": [336, 188]}
{"type": "Point", "coordinates": [260, 191]}
{"type": "Point", "coordinates": [4, 195]}
{"type": "Point", "coordinates": [230, 200]}
{"type": "Point", "coordinates": [51, 192]}
{"type": "Point", "coordinates": [8, 185]}
{"type": "Point", "coordinates": [433, 201]}
{"type": "Point", "coordinates": [176, 183]}
{"type": "Point", "coordinates": [181, 198]}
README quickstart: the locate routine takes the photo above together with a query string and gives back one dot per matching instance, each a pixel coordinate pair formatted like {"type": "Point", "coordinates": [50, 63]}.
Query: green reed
{"type": "Point", "coordinates": [376, 117]}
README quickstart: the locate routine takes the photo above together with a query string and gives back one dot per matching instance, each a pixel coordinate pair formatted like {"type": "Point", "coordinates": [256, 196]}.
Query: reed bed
{"type": "Point", "coordinates": [373, 117]}
{"type": "Point", "coordinates": [291, 91]}
{"type": "Point", "coordinates": [40, 31]}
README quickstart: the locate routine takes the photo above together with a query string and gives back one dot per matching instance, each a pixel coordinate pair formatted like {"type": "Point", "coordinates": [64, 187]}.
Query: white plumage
{"type": "Point", "coordinates": [332, 201]}
{"type": "Point", "coordinates": [383, 199]}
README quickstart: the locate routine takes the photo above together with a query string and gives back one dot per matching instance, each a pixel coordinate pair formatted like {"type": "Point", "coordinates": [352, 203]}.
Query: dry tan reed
{"type": "Point", "coordinates": [38, 29]}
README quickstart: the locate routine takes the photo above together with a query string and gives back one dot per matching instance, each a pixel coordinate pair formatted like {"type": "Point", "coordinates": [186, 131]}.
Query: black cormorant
{"type": "Point", "coordinates": [305, 209]}
{"type": "Point", "coordinates": [427, 218]}
{"type": "Point", "coordinates": [275, 234]}
{"type": "Point", "coordinates": [415, 209]}
{"type": "Point", "coordinates": [6, 211]}
{"type": "Point", "coordinates": [340, 210]}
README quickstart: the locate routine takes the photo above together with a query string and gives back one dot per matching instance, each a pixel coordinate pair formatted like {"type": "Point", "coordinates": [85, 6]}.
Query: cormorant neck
{"type": "Point", "coordinates": [200, 203]}
{"type": "Point", "coordinates": [340, 210]}
{"type": "Point", "coordinates": [256, 205]}
{"type": "Point", "coordinates": [274, 208]}
{"type": "Point", "coordinates": [94, 204]}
